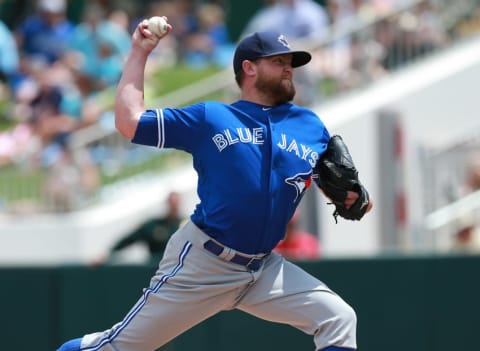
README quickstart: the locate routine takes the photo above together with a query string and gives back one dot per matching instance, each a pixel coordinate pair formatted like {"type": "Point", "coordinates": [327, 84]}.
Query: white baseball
{"type": "Point", "coordinates": [157, 25]}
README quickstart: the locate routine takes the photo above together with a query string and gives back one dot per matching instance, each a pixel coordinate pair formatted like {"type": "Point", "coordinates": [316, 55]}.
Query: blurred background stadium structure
{"type": "Point", "coordinates": [396, 78]}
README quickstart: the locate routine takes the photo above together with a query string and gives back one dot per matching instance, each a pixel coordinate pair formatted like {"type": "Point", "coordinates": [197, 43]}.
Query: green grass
{"type": "Point", "coordinates": [167, 80]}
{"type": "Point", "coordinates": [5, 122]}
{"type": "Point", "coordinates": [165, 160]}
{"type": "Point", "coordinates": [27, 185]}
{"type": "Point", "coordinates": [20, 185]}
{"type": "Point", "coordinates": [162, 82]}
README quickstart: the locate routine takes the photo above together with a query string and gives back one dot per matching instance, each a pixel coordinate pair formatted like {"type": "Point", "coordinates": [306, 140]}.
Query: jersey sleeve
{"type": "Point", "coordinates": [177, 128]}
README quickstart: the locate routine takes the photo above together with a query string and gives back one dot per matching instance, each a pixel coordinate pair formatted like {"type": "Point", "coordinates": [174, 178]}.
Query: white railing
{"type": "Point", "coordinates": [451, 203]}
{"type": "Point", "coordinates": [454, 212]}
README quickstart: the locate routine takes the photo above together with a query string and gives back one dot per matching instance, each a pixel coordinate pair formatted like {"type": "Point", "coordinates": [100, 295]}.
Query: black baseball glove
{"type": "Point", "coordinates": [336, 174]}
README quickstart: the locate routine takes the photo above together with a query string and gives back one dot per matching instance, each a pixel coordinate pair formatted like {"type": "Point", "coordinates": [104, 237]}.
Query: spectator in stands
{"type": "Point", "coordinates": [71, 177]}
{"type": "Point", "coordinates": [43, 37]}
{"type": "Point", "coordinates": [298, 20]}
{"type": "Point", "coordinates": [298, 244]}
{"type": "Point", "coordinates": [45, 34]}
{"type": "Point", "coordinates": [210, 43]}
{"type": "Point", "coordinates": [98, 48]}
{"type": "Point", "coordinates": [295, 18]}
{"type": "Point", "coordinates": [370, 10]}
{"type": "Point", "coordinates": [470, 182]}
{"type": "Point", "coordinates": [430, 33]}
{"type": "Point", "coordinates": [10, 140]}
{"type": "Point", "coordinates": [166, 54]}
{"type": "Point", "coordinates": [473, 174]}
{"type": "Point", "coordinates": [410, 34]}
{"type": "Point", "coordinates": [333, 60]}
{"type": "Point", "coordinates": [182, 16]}
{"type": "Point", "coordinates": [38, 109]}
{"type": "Point", "coordinates": [94, 61]}
{"type": "Point", "coordinates": [15, 143]}
{"type": "Point", "coordinates": [466, 239]}
{"type": "Point", "coordinates": [154, 232]}
{"type": "Point", "coordinates": [46, 116]}
{"type": "Point", "coordinates": [9, 59]}
{"type": "Point", "coordinates": [42, 40]}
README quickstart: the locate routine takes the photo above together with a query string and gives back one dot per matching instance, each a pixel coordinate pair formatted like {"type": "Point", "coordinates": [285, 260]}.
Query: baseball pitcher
{"type": "Point", "coordinates": [255, 158]}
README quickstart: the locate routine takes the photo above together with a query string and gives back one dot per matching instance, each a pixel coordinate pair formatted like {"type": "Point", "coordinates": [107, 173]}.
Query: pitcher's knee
{"type": "Point", "coordinates": [347, 319]}
{"type": "Point", "coordinates": [339, 329]}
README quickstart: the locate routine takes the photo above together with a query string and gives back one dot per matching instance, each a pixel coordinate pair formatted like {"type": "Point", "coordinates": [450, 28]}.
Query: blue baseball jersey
{"type": "Point", "coordinates": [253, 162]}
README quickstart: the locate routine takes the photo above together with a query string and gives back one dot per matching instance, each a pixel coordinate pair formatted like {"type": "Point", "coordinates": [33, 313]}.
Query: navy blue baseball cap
{"type": "Point", "coordinates": [266, 44]}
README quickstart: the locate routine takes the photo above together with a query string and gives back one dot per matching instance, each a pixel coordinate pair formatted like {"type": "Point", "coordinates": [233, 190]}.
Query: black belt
{"type": "Point", "coordinates": [252, 263]}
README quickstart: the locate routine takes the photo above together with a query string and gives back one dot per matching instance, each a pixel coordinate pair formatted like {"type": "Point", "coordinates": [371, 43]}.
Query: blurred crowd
{"type": "Point", "coordinates": [54, 71]}
{"type": "Point", "coordinates": [364, 40]}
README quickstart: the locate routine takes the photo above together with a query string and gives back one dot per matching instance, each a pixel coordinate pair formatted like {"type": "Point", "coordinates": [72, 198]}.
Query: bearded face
{"type": "Point", "coordinates": [279, 89]}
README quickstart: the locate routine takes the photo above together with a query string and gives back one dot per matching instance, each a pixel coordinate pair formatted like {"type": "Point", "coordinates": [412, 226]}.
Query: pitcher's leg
{"type": "Point", "coordinates": [190, 285]}
{"type": "Point", "coordinates": [287, 294]}
{"type": "Point", "coordinates": [161, 312]}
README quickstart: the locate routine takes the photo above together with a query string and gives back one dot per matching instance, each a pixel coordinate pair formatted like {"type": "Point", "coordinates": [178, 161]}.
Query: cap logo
{"type": "Point", "coordinates": [282, 40]}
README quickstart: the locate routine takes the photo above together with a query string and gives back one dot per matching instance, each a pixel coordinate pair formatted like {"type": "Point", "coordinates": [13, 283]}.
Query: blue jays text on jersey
{"type": "Point", "coordinates": [253, 162]}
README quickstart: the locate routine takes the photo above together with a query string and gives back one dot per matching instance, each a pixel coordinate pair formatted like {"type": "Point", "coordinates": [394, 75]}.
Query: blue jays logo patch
{"type": "Point", "coordinates": [283, 40]}
{"type": "Point", "coordinates": [301, 181]}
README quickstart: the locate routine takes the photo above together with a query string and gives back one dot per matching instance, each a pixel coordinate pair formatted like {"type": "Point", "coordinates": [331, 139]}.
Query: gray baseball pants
{"type": "Point", "coordinates": [192, 284]}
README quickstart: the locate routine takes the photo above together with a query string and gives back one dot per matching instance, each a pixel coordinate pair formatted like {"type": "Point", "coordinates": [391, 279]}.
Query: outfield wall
{"type": "Point", "coordinates": [415, 304]}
